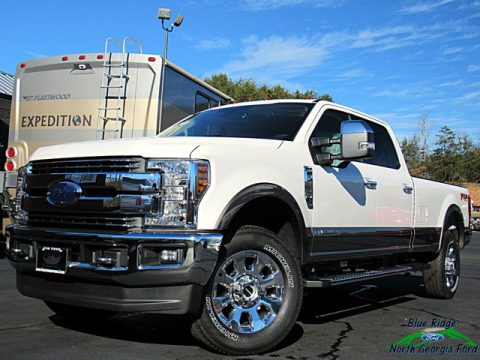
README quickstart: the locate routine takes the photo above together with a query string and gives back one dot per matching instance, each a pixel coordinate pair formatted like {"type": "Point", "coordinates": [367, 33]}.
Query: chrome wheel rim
{"type": "Point", "coordinates": [451, 274]}
{"type": "Point", "coordinates": [248, 291]}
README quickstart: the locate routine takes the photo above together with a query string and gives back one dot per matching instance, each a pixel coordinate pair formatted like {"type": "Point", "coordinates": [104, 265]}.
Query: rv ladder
{"type": "Point", "coordinates": [113, 90]}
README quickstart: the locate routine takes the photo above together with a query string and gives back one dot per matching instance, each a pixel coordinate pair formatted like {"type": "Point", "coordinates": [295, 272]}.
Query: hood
{"type": "Point", "coordinates": [167, 147]}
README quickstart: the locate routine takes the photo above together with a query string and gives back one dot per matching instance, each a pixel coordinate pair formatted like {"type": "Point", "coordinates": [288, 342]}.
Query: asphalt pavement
{"type": "Point", "coordinates": [358, 321]}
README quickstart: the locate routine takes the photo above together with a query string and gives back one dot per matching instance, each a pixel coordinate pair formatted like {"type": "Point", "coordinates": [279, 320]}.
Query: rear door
{"type": "Point", "coordinates": [394, 215]}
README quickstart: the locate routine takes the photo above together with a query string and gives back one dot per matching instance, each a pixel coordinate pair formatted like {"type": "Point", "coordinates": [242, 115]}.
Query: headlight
{"type": "Point", "coordinates": [183, 184]}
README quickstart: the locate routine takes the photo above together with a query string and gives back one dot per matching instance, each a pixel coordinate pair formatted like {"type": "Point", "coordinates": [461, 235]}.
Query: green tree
{"type": "Point", "coordinates": [248, 90]}
{"type": "Point", "coordinates": [413, 153]}
{"type": "Point", "coordinates": [467, 159]}
{"type": "Point", "coordinates": [471, 165]}
{"type": "Point", "coordinates": [455, 158]}
{"type": "Point", "coordinates": [442, 164]}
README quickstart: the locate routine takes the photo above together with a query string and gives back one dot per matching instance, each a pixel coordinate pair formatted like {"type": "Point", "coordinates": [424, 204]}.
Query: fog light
{"type": "Point", "coordinates": [21, 251]}
{"type": "Point", "coordinates": [169, 256]}
{"type": "Point", "coordinates": [157, 256]}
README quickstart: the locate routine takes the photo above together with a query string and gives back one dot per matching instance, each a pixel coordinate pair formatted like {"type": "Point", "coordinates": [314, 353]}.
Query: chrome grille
{"type": "Point", "coordinates": [87, 165]}
{"type": "Point", "coordinates": [109, 222]}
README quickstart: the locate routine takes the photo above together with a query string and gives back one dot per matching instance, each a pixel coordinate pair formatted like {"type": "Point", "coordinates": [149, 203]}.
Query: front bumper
{"type": "Point", "coordinates": [166, 288]}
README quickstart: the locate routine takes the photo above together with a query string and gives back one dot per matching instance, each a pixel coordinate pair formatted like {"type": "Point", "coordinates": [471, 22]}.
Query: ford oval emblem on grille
{"type": "Point", "coordinates": [64, 193]}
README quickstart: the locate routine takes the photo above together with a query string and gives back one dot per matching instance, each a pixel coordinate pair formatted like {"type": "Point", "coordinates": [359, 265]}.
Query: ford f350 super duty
{"type": "Point", "coordinates": [228, 215]}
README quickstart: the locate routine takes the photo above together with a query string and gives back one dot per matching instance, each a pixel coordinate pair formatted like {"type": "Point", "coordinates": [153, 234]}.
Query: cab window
{"type": "Point", "coordinates": [329, 126]}
{"type": "Point", "coordinates": [385, 154]}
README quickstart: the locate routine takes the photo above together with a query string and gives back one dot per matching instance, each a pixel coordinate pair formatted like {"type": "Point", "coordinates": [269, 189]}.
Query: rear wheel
{"type": "Point", "coordinates": [254, 296]}
{"type": "Point", "coordinates": [77, 313]}
{"type": "Point", "coordinates": [441, 279]}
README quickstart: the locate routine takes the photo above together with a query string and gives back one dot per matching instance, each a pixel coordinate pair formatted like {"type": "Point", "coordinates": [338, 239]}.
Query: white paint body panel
{"type": "Point", "coordinates": [432, 199]}
{"type": "Point", "coordinates": [394, 206]}
{"type": "Point", "coordinates": [341, 198]}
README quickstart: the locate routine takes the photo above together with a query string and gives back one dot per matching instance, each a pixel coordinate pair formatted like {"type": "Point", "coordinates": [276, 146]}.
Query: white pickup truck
{"type": "Point", "coordinates": [228, 215]}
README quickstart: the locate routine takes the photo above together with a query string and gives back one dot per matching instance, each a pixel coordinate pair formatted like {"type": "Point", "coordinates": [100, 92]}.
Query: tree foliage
{"type": "Point", "coordinates": [249, 90]}
{"type": "Point", "coordinates": [454, 158]}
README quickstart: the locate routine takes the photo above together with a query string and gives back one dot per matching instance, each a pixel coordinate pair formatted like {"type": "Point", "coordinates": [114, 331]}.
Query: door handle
{"type": "Point", "coordinates": [407, 189]}
{"type": "Point", "coordinates": [370, 184]}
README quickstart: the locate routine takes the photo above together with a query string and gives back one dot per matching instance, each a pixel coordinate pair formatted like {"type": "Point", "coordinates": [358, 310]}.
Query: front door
{"type": "Point", "coordinates": [345, 200]}
{"type": "Point", "coordinates": [361, 208]}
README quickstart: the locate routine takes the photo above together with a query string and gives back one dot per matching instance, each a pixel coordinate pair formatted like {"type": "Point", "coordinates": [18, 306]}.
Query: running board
{"type": "Point", "coordinates": [340, 279]}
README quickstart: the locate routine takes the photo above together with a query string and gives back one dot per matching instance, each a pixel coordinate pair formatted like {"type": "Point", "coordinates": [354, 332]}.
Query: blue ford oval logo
{"type": "Point", "coordinates": [64, 193]}
{"type": "Point", "coordinates": [432, 337]}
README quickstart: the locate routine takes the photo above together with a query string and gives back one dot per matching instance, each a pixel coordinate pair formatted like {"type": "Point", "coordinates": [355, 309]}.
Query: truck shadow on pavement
{"type": "Point", "coordinates": [321, 306]}
{"type": "Point", "coordinates": [325, 305]}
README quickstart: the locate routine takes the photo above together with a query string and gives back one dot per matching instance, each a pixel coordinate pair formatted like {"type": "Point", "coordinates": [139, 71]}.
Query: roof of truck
{"type": "Point", "coordinates": [303, 101]}
{"type": "Point", "coordinates": [273, 101]}
{"type": "Point", "coordinates": [6, 83]}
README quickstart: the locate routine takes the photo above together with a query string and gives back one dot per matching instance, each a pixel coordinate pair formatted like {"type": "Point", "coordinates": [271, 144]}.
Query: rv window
{"type": "Point", "coordinates": [201, 102]}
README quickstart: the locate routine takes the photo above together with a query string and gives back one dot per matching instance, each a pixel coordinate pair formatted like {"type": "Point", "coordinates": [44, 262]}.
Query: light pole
{"type": "Point", "coordinates": [164, 14]}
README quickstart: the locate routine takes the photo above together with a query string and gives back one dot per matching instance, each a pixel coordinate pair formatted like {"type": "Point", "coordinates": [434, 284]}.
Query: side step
{"type": "Point", "coordinates": [346, 278]}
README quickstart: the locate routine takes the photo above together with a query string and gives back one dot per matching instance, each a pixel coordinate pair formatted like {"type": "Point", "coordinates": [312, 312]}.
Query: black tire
{"type": "Point", "coordinates": [77, 313]}
{"type": "Point", "coordinates": [439, 282]}
{"type": "Point", "coordinates": [264, 259]}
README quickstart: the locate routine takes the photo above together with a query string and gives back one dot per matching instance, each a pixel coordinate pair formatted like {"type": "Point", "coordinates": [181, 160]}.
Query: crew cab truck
{"type": "Point", "coordinates": [228, 215]}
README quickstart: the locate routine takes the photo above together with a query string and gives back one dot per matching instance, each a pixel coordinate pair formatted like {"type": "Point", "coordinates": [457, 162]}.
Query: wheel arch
{"type": "Point", "coordinates": [454, 214]}
{"type": "Point", "coordinates": [263, 195]}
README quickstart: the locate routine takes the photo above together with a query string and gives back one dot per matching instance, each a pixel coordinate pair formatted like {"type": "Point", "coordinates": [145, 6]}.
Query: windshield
{"type": "Point", "coordinates": [278, 121]}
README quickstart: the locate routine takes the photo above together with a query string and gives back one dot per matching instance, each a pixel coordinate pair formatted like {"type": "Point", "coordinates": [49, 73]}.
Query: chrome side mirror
{"type": "Point", "coordinates": [357, 140]}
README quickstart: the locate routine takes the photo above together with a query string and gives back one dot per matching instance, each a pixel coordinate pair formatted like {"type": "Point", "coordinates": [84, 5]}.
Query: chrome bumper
{"type": "Point", "coordinates": [167, 289]}
{"type": "Point", "coordinates": [198, 262]}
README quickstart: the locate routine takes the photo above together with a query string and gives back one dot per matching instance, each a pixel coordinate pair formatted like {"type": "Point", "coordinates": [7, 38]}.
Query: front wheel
{"type": "Point", "coordinates": [254, 296]}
